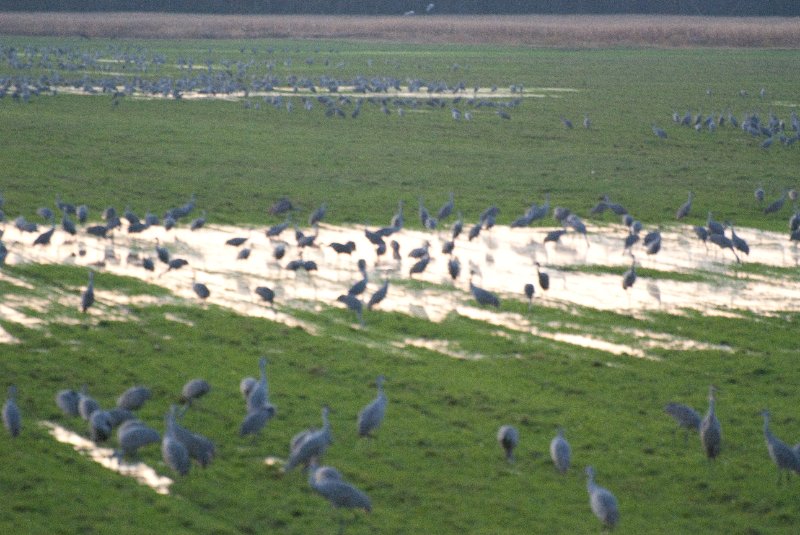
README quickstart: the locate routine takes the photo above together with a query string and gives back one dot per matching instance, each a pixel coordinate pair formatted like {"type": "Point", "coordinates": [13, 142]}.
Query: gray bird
{"type": "Point", "coordinates": [776, 205]}
{"type": "Point", "coordinates": [87, 297]}
{"type": "Point", "coordinates": [100, 425]}
{"type": "Point", "coordinates": [311, 445]}
{"type": "Point", "coordinates": [67, 401]}
{"type": "Point", "coordinates": [266, 294]}
{"type": "Point", "coordinates": [133, 398]}
{"type": "Point", "coordinates": [602, 502]}
{"type": "Point", "coordinates": [198, 223]}
{"type": "Point", "coordinates": [201, 290]}
{"type": "Point", "coordinates": [86, 404]}
{"type": "Point", "coordinates": [256, 419]}
{"type": "Point", "coordinates": [714, 227]}
{"type": "Point", "coordinates": [133, 435]}
{"type": "Point", "coordinates": [194, 389]}
{"type": "Point", "coordinates": [174, 453]}
{"type": "Point", "coordinates": [454, 267]}
{"type": "Point", "coordinates": [484, 297]}
{"type": "Point", "coordinates": [379, 295]}
{"type": "Point", "coordinates": [259, 393]}
{"type": "Point", "coordinates": [710, 429]}
{"type": "Point", "coordinates": [659, 132]}
{"type": "Point", "coordinates": [12, 419]}
{"type": "Point", "coordinates": [446, 209]}
{"type": "Point", "coordinates": [199, 448]}
{"type": "Point", "coordinates": [737, 242]}
{"type": "Point", "coordinates": [544, 278]}
{"type": "Point", "coordinates": [781, 454]}
{"type": "Point", "coordinates": [560, 452]}
{"type": "Point", "coordinates": [371, 416]}
{"type": "Point", "coordinates": [353, 303]}
{"type": "Point", "coordinates": [529, 290]}
{"type": "Point", "coordinates": [339, 493]}
{"type": "Point", "coordinates": [508, 438]}
{"type": "Point", "coordinates": [317, 215]}
{"type": "Point", "coordinates": [683, 211]}
{"type": "Point", "coordinates": [629, 277]}
{"type": "Point", "coordinates": [686, 417]}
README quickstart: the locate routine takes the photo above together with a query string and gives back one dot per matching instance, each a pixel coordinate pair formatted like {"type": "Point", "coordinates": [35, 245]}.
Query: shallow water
{"type": "Point", "coordinates": [501, 258]}
{"type": "Point", "coordinates": [104, 457]}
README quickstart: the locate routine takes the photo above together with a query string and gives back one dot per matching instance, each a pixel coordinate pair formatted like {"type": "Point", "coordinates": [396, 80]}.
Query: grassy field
{"type": "Point", "coordinates": [435, 466]}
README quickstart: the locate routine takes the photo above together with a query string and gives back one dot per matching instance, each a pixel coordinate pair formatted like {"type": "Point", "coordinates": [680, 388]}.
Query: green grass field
{"type": "Point", "coordinates": [435, 466]}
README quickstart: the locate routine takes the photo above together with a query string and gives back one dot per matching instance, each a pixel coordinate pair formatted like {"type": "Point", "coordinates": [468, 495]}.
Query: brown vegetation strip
{"type": "Point", "coordinates": [534, 30]}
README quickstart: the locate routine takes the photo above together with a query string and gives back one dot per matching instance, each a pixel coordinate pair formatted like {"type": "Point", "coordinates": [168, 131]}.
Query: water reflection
{"type": "Point", "coordinates": [508, 267]}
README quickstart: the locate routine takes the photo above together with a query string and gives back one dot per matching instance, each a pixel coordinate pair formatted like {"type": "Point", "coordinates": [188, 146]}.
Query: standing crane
{"type": "Point", "coordinates": [710, 429]}
{"type": "Point", "coordinates": [371, 416]}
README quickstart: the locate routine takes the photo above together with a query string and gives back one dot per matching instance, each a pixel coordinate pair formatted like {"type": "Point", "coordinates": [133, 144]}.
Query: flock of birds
{"type": "Point", "coordinates": [248, 77]}
{"type": "Point", "coordinates": [721, 234]}
{"type": "Point", "coordinates": [180, 446]}
{"type": "Point", "coordinates": [769, 130]}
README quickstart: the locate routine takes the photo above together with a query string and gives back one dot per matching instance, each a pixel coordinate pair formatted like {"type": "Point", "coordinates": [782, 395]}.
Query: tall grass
{"type": "Point", "coordinates": [534, 30]}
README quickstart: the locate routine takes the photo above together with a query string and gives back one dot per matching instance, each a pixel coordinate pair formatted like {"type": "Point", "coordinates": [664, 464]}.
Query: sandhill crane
{"type": "Point", "coordinates": [86, 404]}
{"type": "Point", "coordinates": [738, 242]}
{"type": "Point", "coordinates": [529, 289]}
{"type": "Point", "coordinates": [379, 295]}
{"type": "Point", "coordinates": [371, 416]}
{"type": "Point", "coordinates": [710, 429]}
{"type": "Point", "coordinates": [446, 209]}
{"type": "Point", "coordinates": [629, 277]}
{"type": "Point", "coordinates": [544, 278]}
{"type": "Point", "coordinates": [508, 438]}
{"type": "Point", "coordinates": [44, 237]}
{"type": "Point", "coordinates": [781, 454]}
{"type": "Point", "coordinates": [560, 452]}
{"type": "Point", "coordinates": [659, 132]}
{"type": "Point", "coordinates": [174, 453]}
{"type": "Point", "coordinates": [454, 267]}
{"type": "Point", "coordinates": [67, 401]}
{"type": "Point", "coordinates": [685, 416]}
{"type": "Point", "coordinates": [714, 227]}
{"type": "Point", "coordinates": [87, 297]}
{"type": "Point", "coordinates": [483, 297]}
{"type": "Point", "coordinates": [198, 222]}
{"type": "Point", "coordinates": [12, 420]}
{"type": "Point", "coordinates": [265, 293]}
{"type": "Point", "coordinates": [310, 445]}
{"type": "Point", "coordinates": [194, 389]}
{"type": "Point", "coordinates": [317, 215]}
{"type": "Point", "coordinates": [256, 419]}
{"type": "Point", "coordinates": [328, 482]}
{"type": "Point", "coordinates": [353, 303]}
{"type": "Point", "coordinates": [133, 398]}
{"type": "Point", "coordinates": [602, 502]}
{"type": "Point", "coordinates": [683, 211]}
{"type": "Point", "coordinates": [259, 393]}
{"type": "Point", "coordinates": [777, 204]}
{"type": "Point", "coordinates": [133, 435]}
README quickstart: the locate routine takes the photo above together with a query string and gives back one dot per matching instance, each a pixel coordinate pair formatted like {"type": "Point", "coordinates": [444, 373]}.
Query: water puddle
{"type": "Point", "coordinates": [404, 92]}
{"type": "Point", "coordinates": [439, 346]}
{"type": "Point", "coordinates": [502, 260]}
{"type": "Point", "coordinates": [103, 456]}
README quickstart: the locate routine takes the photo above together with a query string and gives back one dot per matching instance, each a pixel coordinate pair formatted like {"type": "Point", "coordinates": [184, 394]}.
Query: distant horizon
{"type": "Point", "coordinates": [587, 31]}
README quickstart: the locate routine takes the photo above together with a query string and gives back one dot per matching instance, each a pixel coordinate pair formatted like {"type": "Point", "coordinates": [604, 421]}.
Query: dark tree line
{"type": "Point", "coordinates": [441, 7]}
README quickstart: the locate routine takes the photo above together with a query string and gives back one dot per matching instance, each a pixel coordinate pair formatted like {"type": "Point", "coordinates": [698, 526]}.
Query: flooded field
{"type": "Point", "coordinates": [584, 272]}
